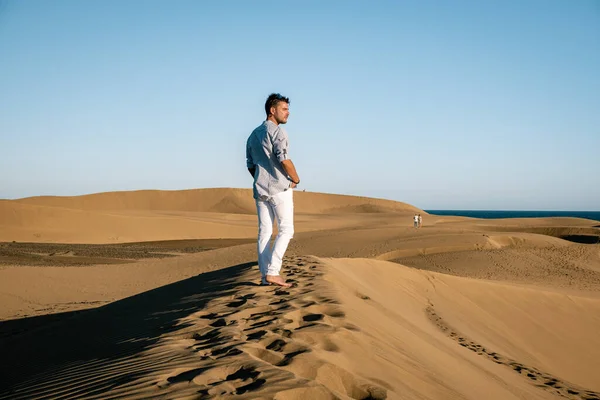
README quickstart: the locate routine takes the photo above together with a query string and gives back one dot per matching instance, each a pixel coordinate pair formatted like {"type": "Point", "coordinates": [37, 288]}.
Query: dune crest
{"type": "Point", "coordinates": [220, 200]}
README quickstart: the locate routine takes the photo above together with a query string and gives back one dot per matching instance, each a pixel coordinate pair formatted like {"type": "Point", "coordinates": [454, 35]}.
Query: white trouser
{"type": "Point", "coordinates": [280, 206]}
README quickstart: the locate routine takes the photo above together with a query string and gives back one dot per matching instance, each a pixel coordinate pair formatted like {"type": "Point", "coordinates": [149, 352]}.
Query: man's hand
{"type": "Point", "coordinates": [290, 169]}
{"type": "Point", "coordinates": [293, 185]}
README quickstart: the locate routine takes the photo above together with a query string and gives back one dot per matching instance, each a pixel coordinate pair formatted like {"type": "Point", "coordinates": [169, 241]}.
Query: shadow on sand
{"type": "Point", "coordinates": [35, 345]}
{"type": "Point", "coordinates": [583, 239]}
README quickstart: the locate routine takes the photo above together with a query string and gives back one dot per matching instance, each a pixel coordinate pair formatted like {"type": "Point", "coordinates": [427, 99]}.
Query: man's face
{"type": "Point", "coordinates": [281, 112]}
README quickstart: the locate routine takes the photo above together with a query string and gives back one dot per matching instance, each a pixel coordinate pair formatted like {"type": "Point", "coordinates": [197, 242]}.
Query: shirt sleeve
{"type": "Point", "coordinates": [281, 145]}
{"type": "Point", "coordinates": [249, 160]}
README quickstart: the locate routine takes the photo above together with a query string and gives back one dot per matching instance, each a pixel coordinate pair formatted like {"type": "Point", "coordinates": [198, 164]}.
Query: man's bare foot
{"type": "Point", "coordinates": [278, 280]}
{"type": "Point", "coordinates": [263, 282]}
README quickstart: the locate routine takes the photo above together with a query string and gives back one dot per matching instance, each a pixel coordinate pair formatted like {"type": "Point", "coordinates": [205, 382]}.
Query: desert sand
{"type": "Point", "coordinates": [153, 294]}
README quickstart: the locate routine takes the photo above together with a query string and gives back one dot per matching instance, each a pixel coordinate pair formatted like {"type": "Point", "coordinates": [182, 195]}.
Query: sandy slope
{"type": "Point", "coordinates": [350, 329]}
{"type": "Point", "coordinates": [459, 309]}
{"type": "Point", "coordinates": [222, 200]}
{"type": "Point", "coordinates": [119, 217]}
{"type": "Point", "coordinates": [502, 327]}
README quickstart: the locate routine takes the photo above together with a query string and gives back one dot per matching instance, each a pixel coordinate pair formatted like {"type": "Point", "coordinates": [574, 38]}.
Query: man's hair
{"type": "Point", "coordinates": [273, 100]}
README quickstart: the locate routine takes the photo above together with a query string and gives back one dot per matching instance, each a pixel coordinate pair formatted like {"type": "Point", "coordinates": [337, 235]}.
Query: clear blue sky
{"type": "Point", "coordinates": [441, 104]}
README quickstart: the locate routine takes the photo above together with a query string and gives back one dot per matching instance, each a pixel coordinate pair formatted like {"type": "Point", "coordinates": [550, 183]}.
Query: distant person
{"type": "Point", "coordinates": [268, 161]}
{"type": "Point", "coordinates": [416, 221]}
{"type": "Point", "coordinates": [420, 220]}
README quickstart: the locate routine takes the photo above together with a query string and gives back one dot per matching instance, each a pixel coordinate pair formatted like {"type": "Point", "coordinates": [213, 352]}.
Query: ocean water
{"type": "Point", "coordinates": [490, 214]}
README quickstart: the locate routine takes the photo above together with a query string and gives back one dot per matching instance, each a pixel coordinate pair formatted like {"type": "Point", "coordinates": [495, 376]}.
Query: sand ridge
{"type": "Point", "coordinates": [253, 342]}
{"type": "Point", "coordinates": [120, 217]}
{"type": "Point", "coordinates": [220, 200]}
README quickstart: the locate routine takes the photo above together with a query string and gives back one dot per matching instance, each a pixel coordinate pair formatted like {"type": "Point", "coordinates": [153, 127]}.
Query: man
{"type": "Point", "coordinates": [416, 221]}
{"type": "Point", "coordinates": [268, 161]}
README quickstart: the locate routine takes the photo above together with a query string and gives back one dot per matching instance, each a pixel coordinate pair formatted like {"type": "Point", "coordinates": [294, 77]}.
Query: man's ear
{"type": "Point", "coordinates": [272, 111]}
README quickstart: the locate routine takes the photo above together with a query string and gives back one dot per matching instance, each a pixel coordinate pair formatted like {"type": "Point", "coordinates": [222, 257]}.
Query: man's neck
{"type": "Point", "coordinates": [273, 120]}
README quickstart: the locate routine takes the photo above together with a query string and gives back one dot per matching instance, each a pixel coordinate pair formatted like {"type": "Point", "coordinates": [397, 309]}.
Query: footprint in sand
{"type": "Point", "coordinates": [269, 333]}
{"type": "Point", "coordinates": [540, 379]}
{"type": "Point", "coordinates": [219, 381]}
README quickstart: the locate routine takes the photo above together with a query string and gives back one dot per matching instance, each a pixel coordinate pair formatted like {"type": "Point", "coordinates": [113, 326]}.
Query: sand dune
{"type": "Point", "coordinates": [34, 223]}
{"type": "Point", "coordinates": [350, 329]}
{"type": "Point", "coordinates": [223, 200]}
{"type": "Point", "coordinates": [505, 327]}
{"type": "Point", "coordinates": [459, 309]}
{"type": "Point", "coordinates": [120, 217]}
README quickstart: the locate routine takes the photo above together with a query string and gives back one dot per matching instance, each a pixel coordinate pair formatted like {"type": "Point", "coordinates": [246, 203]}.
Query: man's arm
{"type": "Point", "coordinates": [280, 148]}
{"type": "Point", "coordinates": [290, 169]}
{"type": "Point", "coordinates": [249, 161]}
